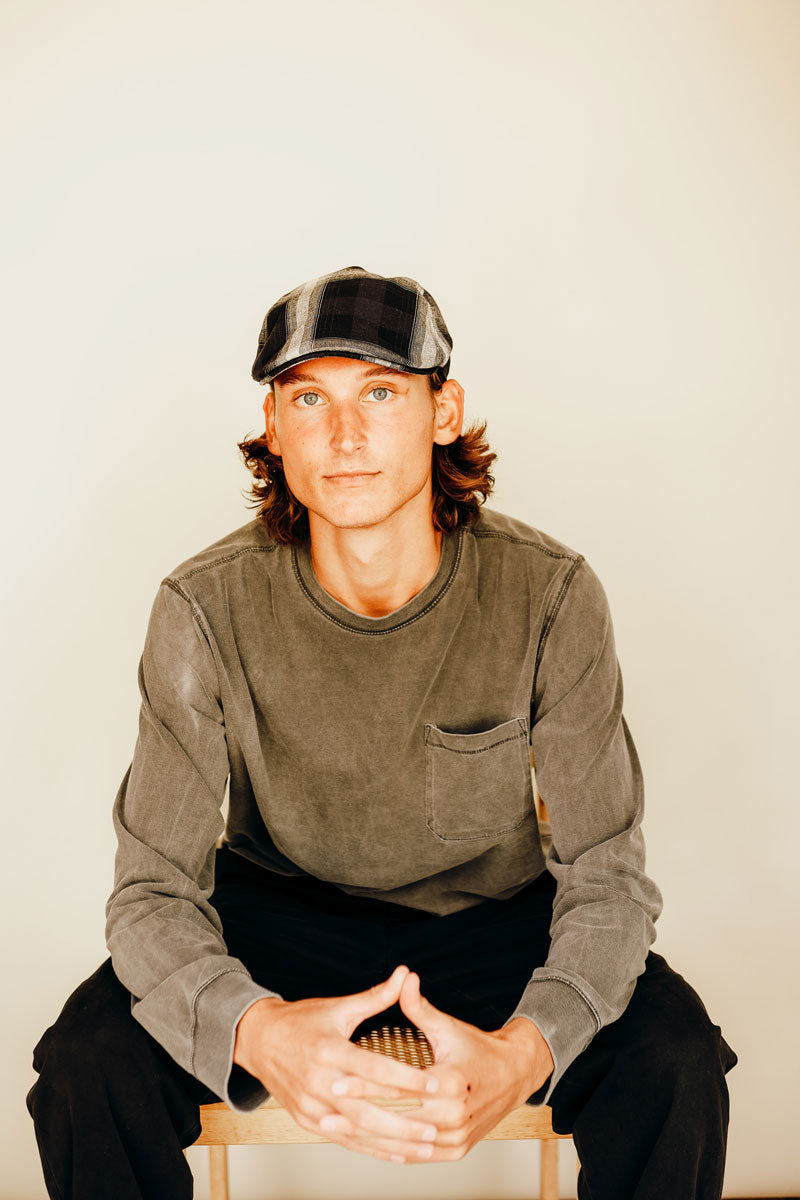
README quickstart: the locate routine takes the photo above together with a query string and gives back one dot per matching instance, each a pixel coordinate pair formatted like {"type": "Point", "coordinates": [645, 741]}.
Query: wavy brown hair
{"type": "Point", "coordinates": [461, 474]}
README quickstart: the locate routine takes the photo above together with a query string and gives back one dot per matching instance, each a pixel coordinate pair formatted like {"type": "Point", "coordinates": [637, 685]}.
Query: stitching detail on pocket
{"type": "Point", "coordinates": [482, 749]}
{"type": "Point", "coordinates": [526, 793]}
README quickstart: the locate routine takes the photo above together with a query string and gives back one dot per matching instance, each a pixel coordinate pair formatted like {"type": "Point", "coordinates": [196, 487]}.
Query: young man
{"type": "Point", "coordinates": [368, 663]}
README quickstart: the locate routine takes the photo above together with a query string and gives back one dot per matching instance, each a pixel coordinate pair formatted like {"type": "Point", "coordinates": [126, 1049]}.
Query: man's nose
{"type": "Point", "coordinates": [348, 432]}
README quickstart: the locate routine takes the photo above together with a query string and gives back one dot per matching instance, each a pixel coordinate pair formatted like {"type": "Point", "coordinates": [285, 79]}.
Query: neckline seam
{"type": "Point", "coordinates": [391, 628]}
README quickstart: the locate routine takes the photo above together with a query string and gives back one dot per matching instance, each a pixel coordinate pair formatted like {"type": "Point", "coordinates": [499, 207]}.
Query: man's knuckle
{"type": "Point", "coordinates": [319, 1080]}
{"type": "Point", "coordinates": [457, 1144]}
{"type": "Point", "coordinates": [304, 1119]}
{"type": "Point", "coordinates": [448, 1114]}
{"type": "Point", "coordinates": [323, 1054]}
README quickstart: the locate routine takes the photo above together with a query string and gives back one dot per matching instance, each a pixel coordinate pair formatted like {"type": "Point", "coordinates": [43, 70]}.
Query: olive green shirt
{"type": "Point", "coordinates": [389, 756]}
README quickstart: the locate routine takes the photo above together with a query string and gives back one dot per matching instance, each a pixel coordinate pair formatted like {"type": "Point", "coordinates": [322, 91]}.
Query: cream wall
{"type": "Point", "coordinates": [603, 197]}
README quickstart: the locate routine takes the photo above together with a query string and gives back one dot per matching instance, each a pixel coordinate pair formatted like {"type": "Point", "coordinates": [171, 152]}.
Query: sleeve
{"type": "Point", "coordinates": [588, 773]}
{"type": "Point", "coordinates": [164, 936]}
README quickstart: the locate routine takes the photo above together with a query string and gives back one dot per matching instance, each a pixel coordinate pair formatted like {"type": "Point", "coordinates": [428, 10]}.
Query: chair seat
{"type": "Point", "coordinates": [271, 1124]}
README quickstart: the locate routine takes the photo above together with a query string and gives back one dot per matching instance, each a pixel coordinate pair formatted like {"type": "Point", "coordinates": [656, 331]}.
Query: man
{"type": "Point", "coordinates": [368, 663]}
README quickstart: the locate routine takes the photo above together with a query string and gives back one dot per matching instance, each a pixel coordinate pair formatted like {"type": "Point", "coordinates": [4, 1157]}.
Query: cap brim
{"type": "Point", "coordinates": [363, 355]}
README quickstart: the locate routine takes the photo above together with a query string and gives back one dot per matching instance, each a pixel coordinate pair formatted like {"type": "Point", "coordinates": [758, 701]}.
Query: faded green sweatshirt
{"type": "Point", "coordinates": [388, 756]}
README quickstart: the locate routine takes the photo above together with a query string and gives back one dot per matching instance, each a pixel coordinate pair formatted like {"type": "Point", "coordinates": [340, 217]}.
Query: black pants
{"type": "Point", "coordinates": [646, 1102]}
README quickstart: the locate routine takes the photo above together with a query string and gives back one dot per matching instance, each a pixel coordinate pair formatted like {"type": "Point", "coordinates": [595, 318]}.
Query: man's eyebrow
{"type": "Point", "coordinates": [297, 376]}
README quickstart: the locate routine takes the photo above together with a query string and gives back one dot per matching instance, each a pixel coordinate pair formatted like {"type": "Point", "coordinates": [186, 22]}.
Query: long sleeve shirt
{"type": "Point", "coordinates": [389, 756]}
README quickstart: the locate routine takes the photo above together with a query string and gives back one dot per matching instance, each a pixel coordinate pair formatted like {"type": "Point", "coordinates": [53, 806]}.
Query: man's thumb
{"type": "Point", "coordinates": [377, 998]}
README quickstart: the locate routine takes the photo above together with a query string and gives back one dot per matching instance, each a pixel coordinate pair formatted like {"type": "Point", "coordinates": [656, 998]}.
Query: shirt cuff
{"type": "Point", "coordinates": [566, 1021]}
{"type": "Point", "coordinates": [218, 1007]}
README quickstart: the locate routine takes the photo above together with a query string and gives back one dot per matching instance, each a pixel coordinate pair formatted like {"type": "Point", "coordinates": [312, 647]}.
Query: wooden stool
{"type": "Point", "coordinates": [272, 1124]}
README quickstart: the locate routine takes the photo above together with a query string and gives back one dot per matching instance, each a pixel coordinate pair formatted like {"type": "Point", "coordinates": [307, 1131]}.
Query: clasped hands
{"type": "Point", "coordinates": [301, 1052]}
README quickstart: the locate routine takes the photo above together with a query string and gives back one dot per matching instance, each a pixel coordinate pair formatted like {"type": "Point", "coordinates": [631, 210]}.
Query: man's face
{"type": "Point", "coordinates": [356, 438]}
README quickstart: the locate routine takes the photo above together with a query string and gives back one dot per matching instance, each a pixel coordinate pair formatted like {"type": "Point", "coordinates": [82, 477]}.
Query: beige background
{"type": "Point", "coordinates": [603, 197]}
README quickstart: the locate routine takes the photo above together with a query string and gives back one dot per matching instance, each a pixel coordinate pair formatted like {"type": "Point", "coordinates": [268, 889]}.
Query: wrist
{"type": "Point", "coordinates": [250, 1031]}
{"type": "Point", "coordinates": [531, 1054]}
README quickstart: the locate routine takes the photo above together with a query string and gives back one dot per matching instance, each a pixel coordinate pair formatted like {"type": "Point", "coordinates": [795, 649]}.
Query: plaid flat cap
{"type": "Point", "coordinates": [355, 314]}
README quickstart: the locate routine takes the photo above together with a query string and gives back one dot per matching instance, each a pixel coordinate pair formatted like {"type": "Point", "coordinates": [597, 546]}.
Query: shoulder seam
{"type": "Point", "coordinates": [178, 590]}
{"type": "Point", "coordinates": [224, 559]}
{"type": "Point", "coordinates": [199, 619]}
{"type": "Point", "coordinates": [520, 541]}
{"type": "Point", "coordinates": [549, 621]}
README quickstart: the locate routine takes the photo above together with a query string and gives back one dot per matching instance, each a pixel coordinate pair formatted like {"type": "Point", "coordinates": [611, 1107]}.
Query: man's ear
{"type": "Point", "coordinates": [449, 412]}
{"type": "Point", "coordinates": [269, 418]}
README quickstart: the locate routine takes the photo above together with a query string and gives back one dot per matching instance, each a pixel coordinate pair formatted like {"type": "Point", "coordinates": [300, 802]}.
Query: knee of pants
{"type": "Point", "coordinates": [668, 1031]}
{"type": "Point", "coordinates": [90, 1038]}
{"type": "Point", "coordinates": [681, 1053]}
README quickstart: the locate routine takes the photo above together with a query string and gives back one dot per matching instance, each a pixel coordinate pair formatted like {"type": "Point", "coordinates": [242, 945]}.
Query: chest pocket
{"type": "Point", "coordinates": [477, 785]}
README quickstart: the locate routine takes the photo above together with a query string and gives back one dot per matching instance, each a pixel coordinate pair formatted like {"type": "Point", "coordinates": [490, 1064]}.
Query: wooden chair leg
{"type": "Point", "coordinates": [548, 1189]}
{"type": "Point", "coordinates": [218, 1172]}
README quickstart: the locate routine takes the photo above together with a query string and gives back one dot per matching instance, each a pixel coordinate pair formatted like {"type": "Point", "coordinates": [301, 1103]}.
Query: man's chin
{"type": "Point", "coordinates": [350, 517]}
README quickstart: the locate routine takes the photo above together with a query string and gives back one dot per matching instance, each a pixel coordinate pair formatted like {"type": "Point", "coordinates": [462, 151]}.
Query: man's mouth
{"type": "Point", "coordinates": [351, 477]}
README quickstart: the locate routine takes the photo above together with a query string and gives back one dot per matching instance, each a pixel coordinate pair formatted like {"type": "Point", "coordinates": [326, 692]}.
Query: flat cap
{"type": "Point", "coordinates": [356, 314]}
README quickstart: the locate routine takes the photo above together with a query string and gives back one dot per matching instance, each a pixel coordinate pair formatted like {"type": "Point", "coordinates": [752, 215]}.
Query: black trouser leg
{"type": "Point", "coordinates": [112, 1109]}
{"type": "Point", "coordinates": [647, 1101]}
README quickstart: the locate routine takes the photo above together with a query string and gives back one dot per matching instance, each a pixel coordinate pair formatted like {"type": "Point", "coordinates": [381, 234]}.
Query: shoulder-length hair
{"type": "Point", "coordinates": [460, 475]}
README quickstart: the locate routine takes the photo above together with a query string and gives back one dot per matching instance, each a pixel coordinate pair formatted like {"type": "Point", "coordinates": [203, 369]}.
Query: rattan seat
{"type": "Point", "coordinates": [271, 1124]}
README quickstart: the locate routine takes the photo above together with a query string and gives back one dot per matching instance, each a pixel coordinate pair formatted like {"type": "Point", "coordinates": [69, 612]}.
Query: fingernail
{"type": "Point", "coordinates": [339, 1087]}
{"type": "Point", "coordinates": [328, 1123]}
{"type": "Point", "coordinates": [432, 1085]}
{"type": "Point", "coordinates": [429, 1133]}
{"type": "Point", "coordinates": [425, 1151]}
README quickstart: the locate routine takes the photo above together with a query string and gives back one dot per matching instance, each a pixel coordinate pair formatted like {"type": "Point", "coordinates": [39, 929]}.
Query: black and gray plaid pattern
{"type": "Point", "coordinates": [352, 312]}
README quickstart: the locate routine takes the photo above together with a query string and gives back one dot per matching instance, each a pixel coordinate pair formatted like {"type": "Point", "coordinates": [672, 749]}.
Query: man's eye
{"type": "Point", "coordinates": [380, 388]}
{"type": "Point", "coordinates": [311, 397]}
